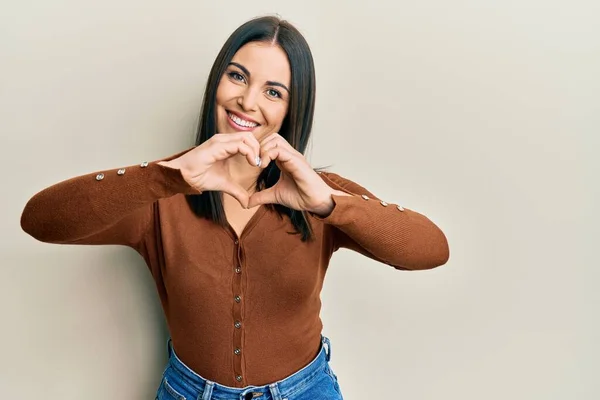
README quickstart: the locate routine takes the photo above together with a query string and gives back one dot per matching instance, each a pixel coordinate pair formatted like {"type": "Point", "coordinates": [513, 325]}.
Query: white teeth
{"type": "Point", "coordinates": [241, 122]}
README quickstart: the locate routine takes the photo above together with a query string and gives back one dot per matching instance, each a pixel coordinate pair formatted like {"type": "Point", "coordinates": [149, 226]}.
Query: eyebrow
{"type": "Point", "coordinates": [271, 83]}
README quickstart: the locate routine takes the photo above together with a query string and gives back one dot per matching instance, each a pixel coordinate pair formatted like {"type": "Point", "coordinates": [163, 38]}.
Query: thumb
{"type": "Point", "coordinates": [238, 192]}
{"type": "Point", "coordinates": [266, 196]}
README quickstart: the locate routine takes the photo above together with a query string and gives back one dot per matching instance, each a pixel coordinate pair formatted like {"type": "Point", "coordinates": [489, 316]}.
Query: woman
{"type": "Point", "coordinates": [238, 230]}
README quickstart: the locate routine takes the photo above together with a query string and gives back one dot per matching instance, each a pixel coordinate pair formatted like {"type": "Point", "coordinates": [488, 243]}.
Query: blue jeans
{"type": "Point", "coordinates": [314, 381]}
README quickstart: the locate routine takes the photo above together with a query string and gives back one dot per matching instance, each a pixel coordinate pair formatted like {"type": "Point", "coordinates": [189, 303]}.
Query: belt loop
{"type": "Point", "coordinates": [169, 350]}
{"type": "Point", "coordinates": [326, 341]}
{"type": "Point", "coordinates": [208, 390]}
{"type": "Point", "coordinates": [275, 391]}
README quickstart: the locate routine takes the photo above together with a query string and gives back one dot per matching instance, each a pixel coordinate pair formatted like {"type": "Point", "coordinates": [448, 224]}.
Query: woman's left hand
{"type": "Point", "coordinates": [299, 186]}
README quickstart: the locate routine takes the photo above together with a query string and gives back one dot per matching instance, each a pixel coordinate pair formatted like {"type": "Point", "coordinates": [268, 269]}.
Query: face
{"type": "Point", "coordinates": [253, 93]}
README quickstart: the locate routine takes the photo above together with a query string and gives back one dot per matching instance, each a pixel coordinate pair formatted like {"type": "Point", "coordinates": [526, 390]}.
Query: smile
{"type": "Point", "coordinates": [242, 123]}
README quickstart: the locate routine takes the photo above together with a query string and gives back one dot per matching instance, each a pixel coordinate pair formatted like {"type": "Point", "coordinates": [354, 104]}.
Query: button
{"type": "Point", "coordinates": [237, 299]}
{"type": "Point", "coordinates": [383, 203]}
{"type": "Point", "coordinates": [364, 196]}
{"type": "Point", "coordinates": [236, 241]}
{"type": "Point", "coordinates": [144, 164]}
{"type": "Point", "coordinates": [237, 351]}
{"type": "Point", "coordinates": [400, 208]}
{"type": "Point", "coordinates": [238, 378]}
{"type": "Point", "coordinates": [121, 171]}
{"type": "Point", "coordinates": [238, 270]}
{"type": "Point", "coordinates": [99, 177]}
{"type": "Point", "coordinates": [237, 324]}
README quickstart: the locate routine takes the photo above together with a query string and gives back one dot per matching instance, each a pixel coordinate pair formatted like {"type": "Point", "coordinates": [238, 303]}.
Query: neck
{"type": "Point", "coordinates": [243, 173]}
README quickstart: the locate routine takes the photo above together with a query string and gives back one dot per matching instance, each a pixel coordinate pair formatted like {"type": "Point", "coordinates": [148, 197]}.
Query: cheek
{"type": "Point", "coordinates": [227, 91]}
{"type": "Point", "coordinates": [221, 94]}
{"type": "Point", "coordinates": [275, 114]}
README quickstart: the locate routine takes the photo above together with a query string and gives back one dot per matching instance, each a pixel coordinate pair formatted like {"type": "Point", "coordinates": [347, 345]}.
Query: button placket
{"type": "Point", "coordinates": [237, 313]}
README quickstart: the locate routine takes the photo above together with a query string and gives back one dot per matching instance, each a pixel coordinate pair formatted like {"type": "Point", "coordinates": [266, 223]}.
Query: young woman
{"type": "Point", "coordinates": [238, 231]}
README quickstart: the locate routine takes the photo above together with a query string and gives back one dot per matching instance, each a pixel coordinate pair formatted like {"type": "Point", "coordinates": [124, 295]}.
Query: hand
{"type": "Point", "coordinates": [204, 167]}
{"type": "Point", "coordinates": [299, 186]}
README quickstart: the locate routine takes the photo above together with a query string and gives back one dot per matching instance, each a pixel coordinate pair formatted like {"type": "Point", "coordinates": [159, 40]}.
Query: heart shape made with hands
{"type": "Point", "coordinates": [299, 187]}
{"type": "Point", "coordinates": [292, 165]}
{"type": "Point", "coordinates": [285, 191]}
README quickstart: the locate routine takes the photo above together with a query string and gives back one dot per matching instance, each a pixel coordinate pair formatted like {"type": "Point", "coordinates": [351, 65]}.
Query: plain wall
{"type": "Point", "coordinates": [484, 116]}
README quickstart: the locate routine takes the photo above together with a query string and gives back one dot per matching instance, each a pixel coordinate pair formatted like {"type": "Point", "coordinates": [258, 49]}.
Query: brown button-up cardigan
{"type": "Point", "coordinates": [241, 311]}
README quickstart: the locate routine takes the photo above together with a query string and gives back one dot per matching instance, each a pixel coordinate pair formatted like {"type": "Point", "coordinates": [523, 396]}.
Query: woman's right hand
{"type": "Point", "coordinates": [204, 166]}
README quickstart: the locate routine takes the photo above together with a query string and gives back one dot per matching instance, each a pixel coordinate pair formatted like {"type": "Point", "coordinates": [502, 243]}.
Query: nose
{"type": "Point", "coordinates": [248, 99]}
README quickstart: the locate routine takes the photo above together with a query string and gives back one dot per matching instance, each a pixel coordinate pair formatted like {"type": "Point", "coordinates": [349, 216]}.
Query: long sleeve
{"type": "Point", "coordinates": [382, 231]}
{"type": "Point", "coordinates": [107, 207]}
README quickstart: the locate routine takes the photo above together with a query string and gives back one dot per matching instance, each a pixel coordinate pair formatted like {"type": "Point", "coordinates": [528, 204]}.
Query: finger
{"type": "Point", "coordinates": [264, 157]}
{"type": "Point", "coordinates": [272, 138]}
{"type": "Point", "coordinates": [266, 151]}
{"type": "Point", "coordinates": [266, 196]}
{"type": "Point", "coordinates": [278, 141]}
{"type": "Point", "coordinates": [246, 137]}
{"type": "Point", "coordinates": [251, 140]}
{"type": "Point", "coordinates": [226, 137]}
{"type": "Point", "coordinates": [227, 149]}
{"type": "Point", "coordinates": [237, 191]}
{"type": "Point", "coordinates": [267, 138]}
{"type": "Point", "coordinates": [282, 156]}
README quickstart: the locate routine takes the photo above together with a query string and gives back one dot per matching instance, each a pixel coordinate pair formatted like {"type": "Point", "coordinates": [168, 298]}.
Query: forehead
{"type": "Point", "coordinates": [264, 61]}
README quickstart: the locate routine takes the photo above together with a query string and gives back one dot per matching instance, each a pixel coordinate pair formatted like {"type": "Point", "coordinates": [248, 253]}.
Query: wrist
{"type": "Point", "coordinates": [173, 164]}
{"type": "Point", "coordinates": [185, 174]}
{"type": "Point", "coordinates": [326, 207]}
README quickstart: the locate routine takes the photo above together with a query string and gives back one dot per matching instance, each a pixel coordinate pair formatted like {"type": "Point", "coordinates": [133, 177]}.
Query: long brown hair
{"type": "Point", "coordinates": [296, 126]}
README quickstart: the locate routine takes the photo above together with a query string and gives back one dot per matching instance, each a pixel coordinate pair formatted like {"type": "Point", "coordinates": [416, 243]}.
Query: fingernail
{"type": "Point", "coordinates": [258, 161]}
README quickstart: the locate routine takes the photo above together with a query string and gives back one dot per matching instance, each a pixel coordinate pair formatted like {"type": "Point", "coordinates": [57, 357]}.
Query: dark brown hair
{"type": "Point", "coordinates": [296, 126]}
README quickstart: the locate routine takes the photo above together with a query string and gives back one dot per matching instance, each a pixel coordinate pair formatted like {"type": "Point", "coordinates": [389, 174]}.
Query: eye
{"type": "Point", "coordinates": [273, 93]}
{"type": "Point", "coordinates": [236, 76]}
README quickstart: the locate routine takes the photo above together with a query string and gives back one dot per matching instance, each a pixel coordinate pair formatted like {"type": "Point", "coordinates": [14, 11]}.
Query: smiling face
{"type": "Point", "coordinates": [253, 93]}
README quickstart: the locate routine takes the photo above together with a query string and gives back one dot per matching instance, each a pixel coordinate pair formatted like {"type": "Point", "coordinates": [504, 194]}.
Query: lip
{"type": "Point", "coordinates": [239, 128]}
{"type": "Point", "coordinates": [242, 116]}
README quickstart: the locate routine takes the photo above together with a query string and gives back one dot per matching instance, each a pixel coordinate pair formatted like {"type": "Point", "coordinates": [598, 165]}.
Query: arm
{"type": "Point", "coordinates": [108, 207]}
{"type": "Point", "coordinates": [384, 232]}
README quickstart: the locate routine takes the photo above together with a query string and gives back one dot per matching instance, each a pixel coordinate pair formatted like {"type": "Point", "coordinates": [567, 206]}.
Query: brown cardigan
{"type": "Point", "coordinates": [259, 293]}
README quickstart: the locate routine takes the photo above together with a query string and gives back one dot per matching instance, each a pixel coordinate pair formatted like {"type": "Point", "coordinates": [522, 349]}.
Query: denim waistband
{"type": "Point", "coordinates": [278, 390]}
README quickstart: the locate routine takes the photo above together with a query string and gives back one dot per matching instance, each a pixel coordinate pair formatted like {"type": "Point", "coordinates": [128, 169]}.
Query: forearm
{"type": "Point", "coordinates": [383, 231]}
{"type": "Point", "coordinates": [85, 205]}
